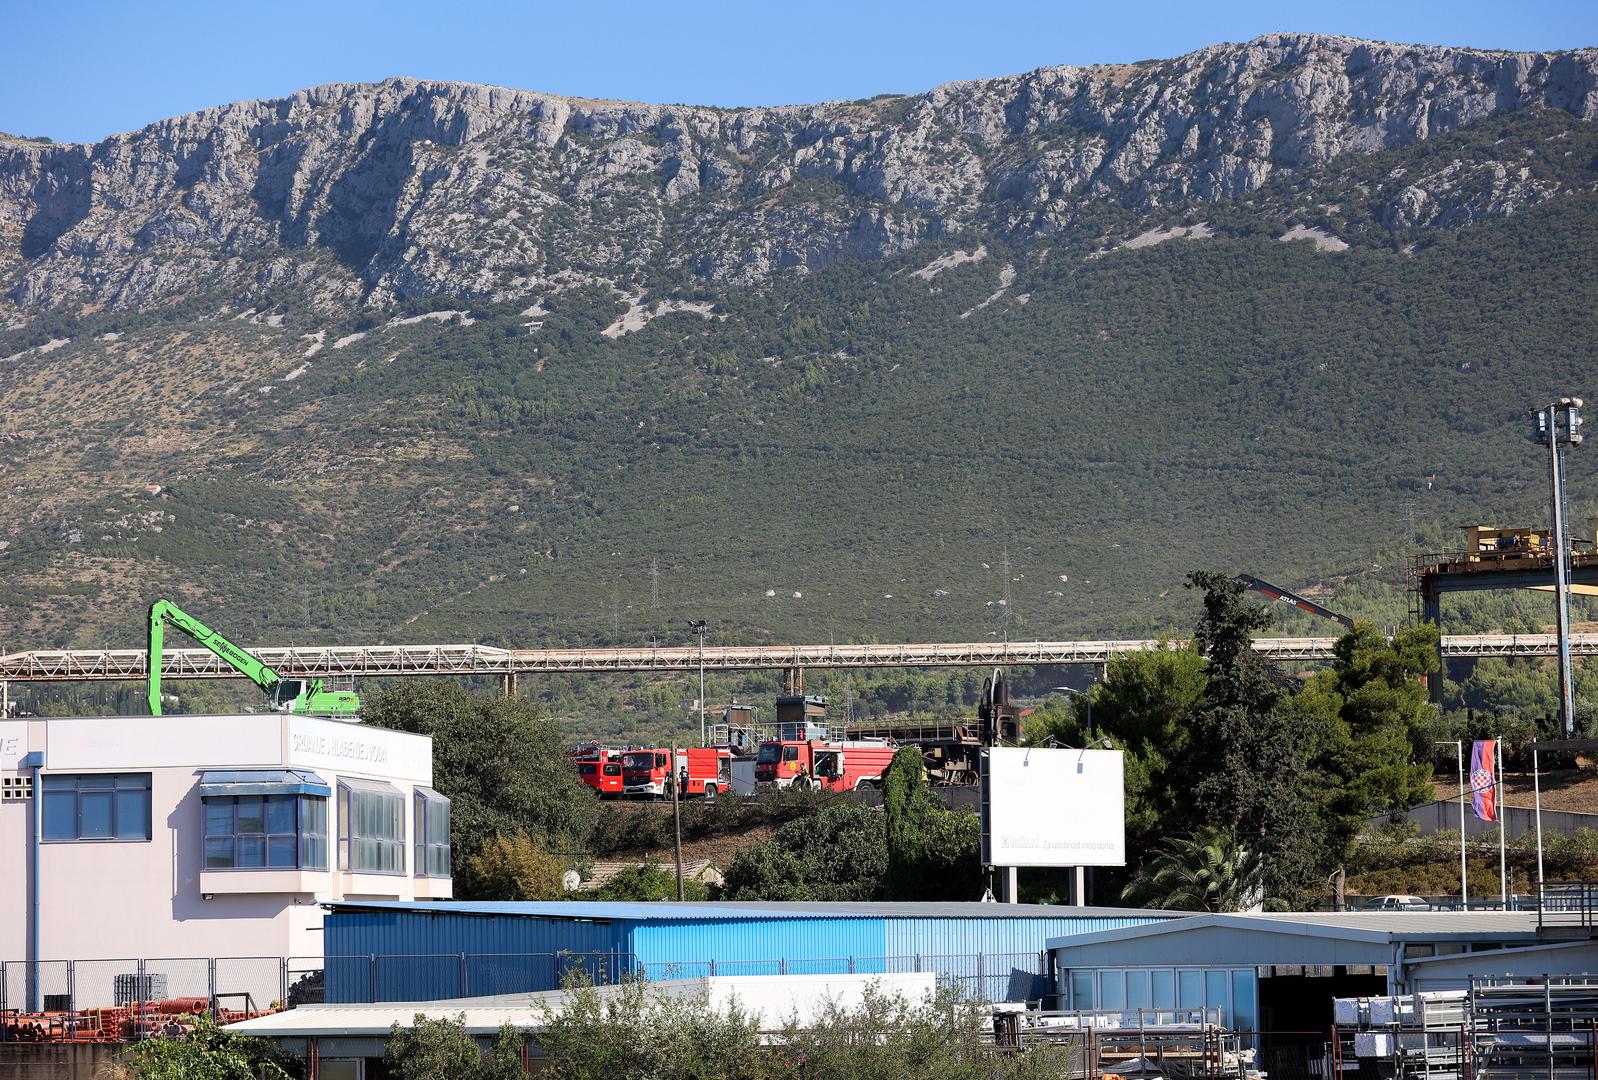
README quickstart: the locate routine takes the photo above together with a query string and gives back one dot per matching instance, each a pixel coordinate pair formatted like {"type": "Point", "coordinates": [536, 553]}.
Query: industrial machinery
{"type": "Point", "coordinates": [305, 696]}
{"type": "Point", "coordinates": [1276, 592]}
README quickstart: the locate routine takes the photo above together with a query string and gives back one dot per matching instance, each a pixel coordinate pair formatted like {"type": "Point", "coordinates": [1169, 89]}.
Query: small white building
{"type": "Point", "coordinates": [203, 837]}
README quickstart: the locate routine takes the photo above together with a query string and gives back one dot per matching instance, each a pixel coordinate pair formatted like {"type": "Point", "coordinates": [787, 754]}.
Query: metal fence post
{"type": "Point", "coordinates": [283, 980]}
{"type": "Point", "coordinates": [918, 963]}
{"type": "Point", "coordinates": [782, 966]}
{"type": "Point", "coordinates": [851, 965]}
{"type": "Point", "coordinates": [982, 982]}
{"type": "Point", "coordinates": [371, 977]}
{"type": "Point", "coordinates": [141, 990]}
{"type": "Point", "coordinates": [210, 983]}
{"type": "Point", "coordinates": [72, 986]}
{"type": "Point", "coordinates": [463, 976]}
{"type": "Point", "coordinates": [712, 967]}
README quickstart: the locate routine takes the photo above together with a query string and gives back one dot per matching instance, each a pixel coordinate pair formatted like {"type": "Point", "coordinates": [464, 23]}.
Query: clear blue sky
{"type": "Point", "coordinates": [77, 71]}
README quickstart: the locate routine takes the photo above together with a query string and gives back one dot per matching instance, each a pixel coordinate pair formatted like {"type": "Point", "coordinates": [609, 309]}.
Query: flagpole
{"type": "Point", "coordinates": [1498, 808]}
{"type": "Point", "coordinates": [1537, 791]}
{"type": "Point", "coordinates": [1464, 890]}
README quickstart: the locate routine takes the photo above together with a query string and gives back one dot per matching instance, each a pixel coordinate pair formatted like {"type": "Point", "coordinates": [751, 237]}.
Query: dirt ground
{"type": "Point", "coordinates": [718, 849]}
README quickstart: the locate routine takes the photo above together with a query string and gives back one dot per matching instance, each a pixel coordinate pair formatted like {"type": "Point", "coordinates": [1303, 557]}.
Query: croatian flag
{"type": "Point", "coordinates": [1483, 792]}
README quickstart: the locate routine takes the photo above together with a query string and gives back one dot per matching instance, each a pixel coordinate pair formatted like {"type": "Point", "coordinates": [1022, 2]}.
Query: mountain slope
{"type": "Point", "coordinates": [423, 362]}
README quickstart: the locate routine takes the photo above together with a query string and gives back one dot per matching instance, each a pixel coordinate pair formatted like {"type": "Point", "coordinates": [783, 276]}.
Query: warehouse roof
{"type": "Point", "coordinates": [1346, 925]}
{"type": "Point", "coordinates": [666, 909]}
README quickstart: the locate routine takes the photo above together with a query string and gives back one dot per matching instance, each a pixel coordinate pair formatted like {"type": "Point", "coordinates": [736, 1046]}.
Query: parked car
{"type": "Point", "coordinates": [1398, 902]}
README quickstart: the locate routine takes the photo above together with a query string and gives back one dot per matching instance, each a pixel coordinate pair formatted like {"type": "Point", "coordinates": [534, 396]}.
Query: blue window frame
{"type": "Point", "coordinates": [96, 806]}
{"type": "Point", "coordinates": [432, 833]}
{"type": "Point", "coordinates": [265, 832]}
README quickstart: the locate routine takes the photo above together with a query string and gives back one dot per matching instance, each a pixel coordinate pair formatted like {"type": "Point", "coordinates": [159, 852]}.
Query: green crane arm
{"type": "Point", "coordinates": [163, 612]}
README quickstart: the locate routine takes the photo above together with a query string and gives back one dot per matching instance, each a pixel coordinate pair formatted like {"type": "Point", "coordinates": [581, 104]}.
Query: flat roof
{"type": "Point", "coordinates": [734, 909]}
{"type": "Point", "coordinates": [1346, 925]}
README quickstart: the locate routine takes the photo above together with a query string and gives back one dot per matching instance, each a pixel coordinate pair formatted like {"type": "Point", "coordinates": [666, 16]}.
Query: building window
{"type": "Point", "coordinates": [432, 834]}
{"type": "Point", "coordinates": [275, 832]}
{"type": "Point", "coordinates": [97, 806]}
{"type": "Point", "coordinates": [371, 820]}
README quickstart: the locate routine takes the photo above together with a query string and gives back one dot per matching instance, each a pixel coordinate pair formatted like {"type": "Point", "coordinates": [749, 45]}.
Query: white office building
{"type": "Point", "coordinates": [204, 837]}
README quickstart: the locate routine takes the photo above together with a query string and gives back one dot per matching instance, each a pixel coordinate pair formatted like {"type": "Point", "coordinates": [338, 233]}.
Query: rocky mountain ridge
{"type": "Point", "coordinates": [354, 195]}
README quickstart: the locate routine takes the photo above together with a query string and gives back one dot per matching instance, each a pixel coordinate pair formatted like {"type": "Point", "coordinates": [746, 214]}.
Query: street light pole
{"type": "Point", "coordinates": [1559, 425]}
{"type": "Point", "coordinates": [1085, 695]}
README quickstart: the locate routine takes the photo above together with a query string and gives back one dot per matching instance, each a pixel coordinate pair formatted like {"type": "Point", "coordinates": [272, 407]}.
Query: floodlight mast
{"type": "Point", "coordinates": [1558, 425]}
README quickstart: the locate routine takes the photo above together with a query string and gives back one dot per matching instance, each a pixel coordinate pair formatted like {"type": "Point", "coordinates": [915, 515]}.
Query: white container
{"type": "Point", "coordinates": [1384, 1010]}
{"type": "Point", "coordinates": [1346, 1012]}
{"type": "Point", "coordinates": [1373, 1044]}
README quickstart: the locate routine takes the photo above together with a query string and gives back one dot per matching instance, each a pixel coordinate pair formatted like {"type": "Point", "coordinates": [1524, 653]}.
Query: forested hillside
{"type": "Point", "coordinates": [1288, 377]}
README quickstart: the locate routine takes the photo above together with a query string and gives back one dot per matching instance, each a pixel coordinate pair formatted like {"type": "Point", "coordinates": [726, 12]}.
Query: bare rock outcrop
{"type": "Point", "coordinates": [385, 191]}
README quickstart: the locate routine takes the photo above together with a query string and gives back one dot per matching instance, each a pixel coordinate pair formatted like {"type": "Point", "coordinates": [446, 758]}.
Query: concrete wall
{"type": "Point", "coordinates": [1443, 817]}
{"type": "Point", "coordinates": [42, 1061]}
{"type": "Point", "coordinates": [122, 900]}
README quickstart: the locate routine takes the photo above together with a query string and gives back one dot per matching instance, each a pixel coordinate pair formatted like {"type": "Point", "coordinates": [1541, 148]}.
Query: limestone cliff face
{"type": "Point", "coordinates": [371, 193]}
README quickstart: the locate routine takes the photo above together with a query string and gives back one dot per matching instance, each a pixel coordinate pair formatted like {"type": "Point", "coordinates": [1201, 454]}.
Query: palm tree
{"type": "Point", "coordinates": [1207, 871]}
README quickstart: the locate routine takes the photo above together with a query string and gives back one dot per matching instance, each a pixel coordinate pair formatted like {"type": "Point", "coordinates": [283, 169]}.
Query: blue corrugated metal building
{"type": "Point", "coordinates": [430, 950]}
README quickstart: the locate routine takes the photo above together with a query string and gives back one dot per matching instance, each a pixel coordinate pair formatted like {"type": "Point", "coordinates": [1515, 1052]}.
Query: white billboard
{"type": "Point", "coordinates": [1054, 807]}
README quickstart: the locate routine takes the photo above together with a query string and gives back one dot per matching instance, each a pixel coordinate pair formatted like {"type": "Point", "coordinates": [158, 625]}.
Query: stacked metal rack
{"type": "Point", "coordinates": [1136, 1044]}
{"type": "Point", "coordinates": [1534, 1030]}
{"type": "Point", "coordinates": [1500, 1029]}
{"type": "Point", "coordinates": [1400, 1038]}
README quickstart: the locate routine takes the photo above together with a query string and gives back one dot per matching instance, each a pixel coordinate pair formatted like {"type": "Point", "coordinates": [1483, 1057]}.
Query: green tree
{"type": "Point", "coordinates": [837, 853]}
{"type": "Point", "coordinates": [442, 1049]}
{"type": "Point", "coordinates": [1370, 712]}
{"type": "Point", "coordinates": [208, 1053]}
{"type": "Point", "coordinates": [933, 853]}
{"type": "Point", "coordinates": [502, 766]}
{"type": "Point", "coordinates": [512, 867]}
{"type": "Point", "coordinates": [651, 881]}
{"type": "Point", "coordinates": [1249, 758]}
{"type": "Point", "coordinates": [890, 1037]}
{"type": "Point", "coordinates": [1206, 871]}
{"type": "Point", "coordinates": [637, 1031]}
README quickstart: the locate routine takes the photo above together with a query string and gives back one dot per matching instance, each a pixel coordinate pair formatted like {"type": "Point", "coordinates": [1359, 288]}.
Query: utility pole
{"type": "Point", "coordinates": [699, 626]}
{"type": "Point", "coordinates": [676, 818]}
{"type": "Point", "coordinates": [1559, 425]}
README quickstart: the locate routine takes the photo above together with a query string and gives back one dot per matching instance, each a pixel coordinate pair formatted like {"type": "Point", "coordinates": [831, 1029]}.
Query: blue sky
{"type": "Point", "coordinates": [78, 71]}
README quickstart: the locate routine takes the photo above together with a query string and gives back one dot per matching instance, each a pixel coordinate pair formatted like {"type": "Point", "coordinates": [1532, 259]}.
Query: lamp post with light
{"type": "Point", "coordinates": [1558, 425]}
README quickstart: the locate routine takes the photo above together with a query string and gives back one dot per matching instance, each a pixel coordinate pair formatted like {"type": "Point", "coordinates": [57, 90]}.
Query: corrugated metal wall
{"type": "Point", "coordinates": [992, 935]}
{"type": "Point", "coordinates": [427, 955]}
{"type": "Point", "coordinates": [996, 958]}
{"type": "Point", "coordinates": [756, 946]}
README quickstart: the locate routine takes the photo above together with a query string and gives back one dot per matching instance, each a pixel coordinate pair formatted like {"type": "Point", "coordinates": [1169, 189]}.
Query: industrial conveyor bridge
{"type": "Point", "coordinates": [311, 661]}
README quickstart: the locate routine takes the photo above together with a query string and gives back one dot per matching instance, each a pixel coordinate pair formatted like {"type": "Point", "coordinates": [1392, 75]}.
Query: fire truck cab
{"type": "Point", "coordinates": [814, 763]}
{"type": "Point", "coordinates": [600, 768]}
{"type": "Point", "coordinates": [703, 772]}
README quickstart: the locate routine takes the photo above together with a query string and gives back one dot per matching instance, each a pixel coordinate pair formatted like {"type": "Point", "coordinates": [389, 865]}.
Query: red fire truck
{"type": "Point", "coordinates": [650, 773]}
{"type": "Point", "coordinates": [835, 766]}
{"type": "Point", "coordinates": [600, 768]}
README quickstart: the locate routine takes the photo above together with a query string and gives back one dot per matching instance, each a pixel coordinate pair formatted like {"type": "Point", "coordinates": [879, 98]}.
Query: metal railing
{"type": "Point", "coordinates": [1568, 905]}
